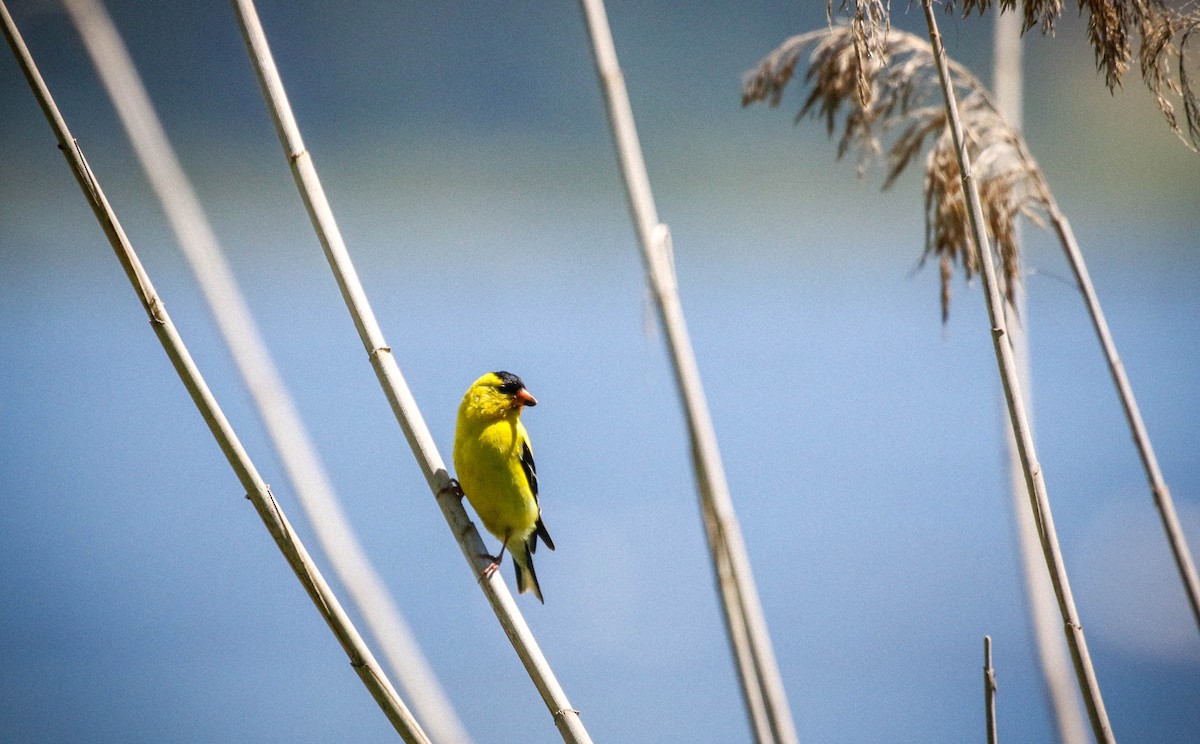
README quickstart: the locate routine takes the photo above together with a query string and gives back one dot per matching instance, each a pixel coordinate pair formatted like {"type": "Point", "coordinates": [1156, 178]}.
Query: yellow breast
{"type": "Point", "coordinates": [487, 461]}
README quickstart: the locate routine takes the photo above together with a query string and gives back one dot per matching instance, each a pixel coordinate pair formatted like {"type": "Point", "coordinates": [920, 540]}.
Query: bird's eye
{"type": "Point", "coordinates": [510, 384]}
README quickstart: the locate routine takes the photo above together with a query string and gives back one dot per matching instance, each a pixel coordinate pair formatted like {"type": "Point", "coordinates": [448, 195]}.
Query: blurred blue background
{"type": "Point", "coordinates": [466, 154]}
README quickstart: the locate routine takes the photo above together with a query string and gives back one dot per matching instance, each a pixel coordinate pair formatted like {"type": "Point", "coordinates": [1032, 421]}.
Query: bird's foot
{"type": "Point", "coordinates": [453, 488]}
{"type": "Point", "coordinates": [493, 564]}
{"type": "Point", "coordinates": [494, 560]}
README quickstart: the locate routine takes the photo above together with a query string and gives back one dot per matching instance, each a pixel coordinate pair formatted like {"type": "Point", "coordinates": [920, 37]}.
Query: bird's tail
{"type": "Point", "coordinates": [526, 576]}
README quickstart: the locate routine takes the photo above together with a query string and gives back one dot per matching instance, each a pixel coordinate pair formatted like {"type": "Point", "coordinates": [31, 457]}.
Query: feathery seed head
{"type": "Point", "coordinates": [1163, 33]}
{"type": "Point", "coordinates": [903, 107]}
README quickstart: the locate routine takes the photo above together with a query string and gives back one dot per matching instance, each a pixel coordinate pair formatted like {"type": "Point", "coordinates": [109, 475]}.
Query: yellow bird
{"type": "Point", "coordinates": [494, 463]}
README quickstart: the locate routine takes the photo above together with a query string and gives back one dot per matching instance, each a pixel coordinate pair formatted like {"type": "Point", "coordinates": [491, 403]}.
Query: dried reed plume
{"type": "Point", "coordinates": [903, 107]}
{"type": "Point", "coordinates": [1164, 35]}
{"type": "Point", "coordinates": [1158, 49]}
{"type": "Point", "coordinates": [869, 24]}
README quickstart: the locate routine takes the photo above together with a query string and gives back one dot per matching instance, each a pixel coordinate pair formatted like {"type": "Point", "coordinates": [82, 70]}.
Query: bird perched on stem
{"type": "Point", "coordinates": [494, 464]}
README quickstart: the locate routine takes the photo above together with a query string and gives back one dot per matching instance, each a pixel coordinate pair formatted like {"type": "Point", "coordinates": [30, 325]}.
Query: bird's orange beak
{"type": "Point", "coordinates": [523, 398]}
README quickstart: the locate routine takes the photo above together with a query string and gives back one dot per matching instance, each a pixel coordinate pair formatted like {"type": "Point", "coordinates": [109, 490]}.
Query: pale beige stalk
{"type": "Point", "coordinates": [762, 686]}
{"type": "Point", "coordinates": [274, 403]}
{"type": "Point", "coordinates": [257, 491]}
{"type": "Point", "coordinates": [395, 388]}
{"type": "Point", "coordinates": [1158, 485]}
{"type": "Point", "coordinates": [1039, 501]}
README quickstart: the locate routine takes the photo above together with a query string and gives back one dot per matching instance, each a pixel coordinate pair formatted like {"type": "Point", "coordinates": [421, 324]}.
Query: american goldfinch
{"type": "Point", "coordinates": [494, 463]}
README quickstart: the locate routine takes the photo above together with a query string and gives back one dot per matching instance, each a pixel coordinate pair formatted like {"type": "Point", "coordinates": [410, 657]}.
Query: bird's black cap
{"type": "Point", "coordinates": [510, 384]}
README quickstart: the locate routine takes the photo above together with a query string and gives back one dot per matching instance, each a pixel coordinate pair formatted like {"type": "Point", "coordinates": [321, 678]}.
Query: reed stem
{"type": "Point", "coordinates": [1039, 502]}
{"type": "Point", "coordinates": [1158, 485]}
{"type": "Point", "coordinates": [256, 489]}
{"type": "Point", "coordinates": [395, 388]}
{"type": "Point", "coordinates": [762, 685]}
{"type": "Point", "coordinates": [274, 403]}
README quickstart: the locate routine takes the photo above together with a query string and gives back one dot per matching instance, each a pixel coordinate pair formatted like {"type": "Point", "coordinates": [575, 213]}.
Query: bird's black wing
{"type": "Point", "coordinates": [530, 469]}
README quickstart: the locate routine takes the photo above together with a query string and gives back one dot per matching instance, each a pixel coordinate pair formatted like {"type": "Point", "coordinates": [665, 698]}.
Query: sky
{"type": "Point", "coordinates": [466, 155]}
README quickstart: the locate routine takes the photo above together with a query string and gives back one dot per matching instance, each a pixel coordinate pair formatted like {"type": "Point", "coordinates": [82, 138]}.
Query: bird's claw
{"type": "Point", "coordinates": [453, 488]}
{"type": "Point", "coordinates": [493, 564]}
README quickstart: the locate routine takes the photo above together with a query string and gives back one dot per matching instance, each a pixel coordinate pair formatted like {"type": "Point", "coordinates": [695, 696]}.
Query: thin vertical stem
{"type": "Point", "coordinates": [989, 690]}
{"type": "Point", "coordinates": [257, 491]}
{"type": "Point", "coordinates": [395, 388]}
{"type": "Point", "coordinates": [1039, 502]}
{"type": "Point", "coordinates": [274, 403]}
{"type": "Point", "coordinates": [762, 686]}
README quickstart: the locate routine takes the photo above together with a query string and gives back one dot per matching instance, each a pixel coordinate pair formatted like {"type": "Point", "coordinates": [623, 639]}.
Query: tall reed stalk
{"type": "Point", "coordinates": [1062, 697]}
{"type": "Point", "coordinates": [257, 491]}
{"type": "Point", "coordinates": [565, 717]}
{"type": "Point", "coordinates": [274, 403]}
{"type": "Point", "coordinates": [1158, 486]}
{"type": "Point", "coordinates": [762, 686]}
{"type": "Point", "coordinates": [1039, 501]}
